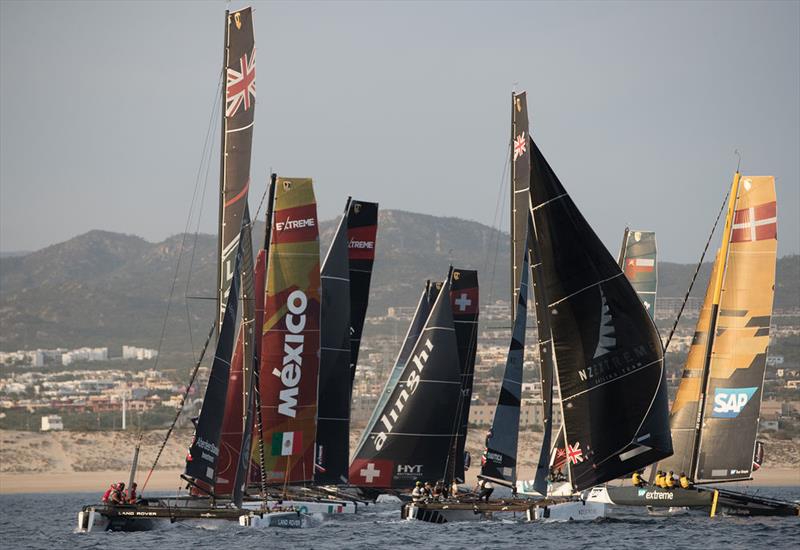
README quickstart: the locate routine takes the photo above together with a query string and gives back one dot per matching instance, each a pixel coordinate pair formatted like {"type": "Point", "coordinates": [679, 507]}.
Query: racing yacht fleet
{"type": "Point", "coordinates": [271, 443]}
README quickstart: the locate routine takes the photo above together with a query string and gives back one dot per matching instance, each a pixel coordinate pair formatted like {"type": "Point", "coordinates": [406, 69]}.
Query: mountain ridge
{"type": "Point", "coordinates": [105, 288]}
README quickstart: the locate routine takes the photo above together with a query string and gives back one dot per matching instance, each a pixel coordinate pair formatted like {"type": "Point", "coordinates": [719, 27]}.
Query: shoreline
{"type": "Point", "coordinates": [169, 480]}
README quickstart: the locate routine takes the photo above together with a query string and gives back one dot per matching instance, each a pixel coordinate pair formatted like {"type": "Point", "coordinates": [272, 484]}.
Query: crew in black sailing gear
{"type": "Point", "coordinates": [427, 490]}
{"type": "Point", "coordinates": [485, 489]}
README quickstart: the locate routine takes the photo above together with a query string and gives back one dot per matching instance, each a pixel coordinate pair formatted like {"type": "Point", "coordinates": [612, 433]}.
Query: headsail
{"type": "Point", "coordinates": [609, 358]}
{"type": "Point", "coordinates": [202, 460]}
{"type": "Point", "coordinates": [333, 424]}
{"type": "Point", "coordinates": [499, 461]}
{"type": "Point", "coordinates": [235, 428]}
{"type": "Point", "coordinates": [289, 365]}
{"type": "Point", "coordinates": [414, 435]}
{"type": "Point", "coordinates": [362, 229]}
{"type": "Point", "coordinates": [237, 137]}
{"type": "Point", "coordinates": [638, 260]}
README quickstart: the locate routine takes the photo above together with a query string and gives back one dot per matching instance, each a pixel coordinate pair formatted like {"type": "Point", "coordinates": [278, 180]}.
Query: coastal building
{"type": "Point", "coordinates": [52, 423]}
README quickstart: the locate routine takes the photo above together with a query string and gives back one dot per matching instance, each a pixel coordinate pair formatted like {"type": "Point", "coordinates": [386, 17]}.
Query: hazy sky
{"type": "Point", "coordinates": [638, 107]}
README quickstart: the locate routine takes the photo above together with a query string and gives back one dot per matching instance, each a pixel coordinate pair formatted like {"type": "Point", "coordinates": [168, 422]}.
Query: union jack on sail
{"type": "Point", "coordinates": [241, 85]}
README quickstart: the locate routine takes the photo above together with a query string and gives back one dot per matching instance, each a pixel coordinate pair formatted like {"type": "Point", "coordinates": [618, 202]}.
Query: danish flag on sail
{"type": "Point", "coordinates": [241, 85]}
{"type": "Point", "coordinates": [633, 266]}
{"type": "Point", "coordinates": [756, 223]}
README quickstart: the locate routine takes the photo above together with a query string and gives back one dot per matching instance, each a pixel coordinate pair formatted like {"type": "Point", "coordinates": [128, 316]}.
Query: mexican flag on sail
{"type": "Point", "coordinates": [287, 443]}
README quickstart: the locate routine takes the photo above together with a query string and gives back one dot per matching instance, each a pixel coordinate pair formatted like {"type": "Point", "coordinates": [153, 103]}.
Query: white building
{"type": "Point", "coordinates": [52, 423]}
{"type": "Point", "coordinates": [84, 354]}
{"type": "Point", "coordinates": [139, 354]}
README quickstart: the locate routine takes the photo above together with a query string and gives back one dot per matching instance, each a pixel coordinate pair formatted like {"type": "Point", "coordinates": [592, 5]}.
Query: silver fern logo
{"type": "Point", "coordinates": [606, 340]}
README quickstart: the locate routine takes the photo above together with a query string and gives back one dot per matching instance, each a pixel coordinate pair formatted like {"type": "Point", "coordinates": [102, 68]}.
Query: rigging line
{"type": "Point", "coordinates": [694, 277]}
{"type": "Point", "coordinates": [260, 204]}
{"type": "Point", "coordinates": [182, 403]}
{"type": "Point", "coordinates": [499, 209]}
{"type": "Point", "coordinates": [205, 156]}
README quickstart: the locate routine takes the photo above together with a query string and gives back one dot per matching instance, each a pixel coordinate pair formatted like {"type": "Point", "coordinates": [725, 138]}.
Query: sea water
{"type": "Point", "coordinates": [49, 520]}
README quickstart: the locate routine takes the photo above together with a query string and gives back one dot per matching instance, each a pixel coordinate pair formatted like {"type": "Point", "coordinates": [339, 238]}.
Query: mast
{"type": "Point", "coordinates": [520, 185]}
{"type": "Point", "coordinates": [623, 248]}
{"type": "Point", "coordinates": [223, 134]}
{"type": "Point", "coordinates": [715, 297]}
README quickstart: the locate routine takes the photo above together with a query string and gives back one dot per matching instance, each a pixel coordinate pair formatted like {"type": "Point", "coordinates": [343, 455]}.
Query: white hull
{"type": "Point", "coordinates": [578, 510]}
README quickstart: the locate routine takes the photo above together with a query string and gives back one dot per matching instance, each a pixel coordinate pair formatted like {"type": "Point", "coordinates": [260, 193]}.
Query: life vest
{"type": "Point", "coordinates": [637, 480]}
{"type": "Point", "coordinates": [685, 482]}
{"type": "Point", "coordinates": [670, 482]}
{"type": "Point", "coordinates": [107, 494]}
{"type": "Point", "coordinates": [131, 496]}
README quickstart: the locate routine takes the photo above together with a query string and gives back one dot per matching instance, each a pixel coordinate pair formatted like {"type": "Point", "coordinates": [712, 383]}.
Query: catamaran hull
{"type": "Point", "coordinates": [578, 510]}
{"type": "Point", "coordinates": [573, 510]}
{"type": "Point", "coordinates": [147, 518]}
{"type": "Point", "coordinates": [322, 506]}
{"type": "Point", "coordinates": [651, 496]}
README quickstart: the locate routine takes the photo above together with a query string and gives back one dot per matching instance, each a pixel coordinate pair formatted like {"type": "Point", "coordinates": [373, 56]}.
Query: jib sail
{"type": "Point", "coordinates": [608, 355]}
{"type": "Point", "coordinates": [464, 300]}
{"type": "Point", "coordinates": [237, 136]}
{"type": "Point", "coordinates": [203, 457]}
{"type": "Point", "coordinates": [333, 423]}
{"type": "Point", "coordinates": [235, 428]}
{"type": "Point", "coordinates": [289, 365]}
{"type": "Point", "coordinates": [415, 432]}
{"type": "Point", "coordinates": [638, 260]}
{"type": "Point", "coordinates": [499, 460]}
{"type": "Point", "coordinates": [421, 314]}
{"type": "Point", "coordinates": [362, 229]}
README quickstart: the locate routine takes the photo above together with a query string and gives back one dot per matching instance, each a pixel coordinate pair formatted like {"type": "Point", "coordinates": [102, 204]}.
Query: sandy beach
{"type": "Point", "coordinates": [58, 462]}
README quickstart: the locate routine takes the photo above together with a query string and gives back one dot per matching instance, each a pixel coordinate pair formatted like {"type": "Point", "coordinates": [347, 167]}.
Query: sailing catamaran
{"type": "Point", "coordinates": [596, 341]}
{"type": "Point", "coordinates": [258, 422]}
{"type": "Point", "coordinates": [418, 429]}
{"type": "Point", "coordinates": [715, 415]}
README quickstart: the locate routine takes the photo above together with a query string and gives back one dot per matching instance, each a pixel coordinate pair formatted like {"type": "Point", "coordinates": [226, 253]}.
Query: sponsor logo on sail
{"type": "Point", "coordinates": [293, 340]}
{"type": "Point", "coordinates": [729, 402]}
{"type": "Point", "coordinates": [409, 470]}
{"type": "Point", "coordinates": [290, 224]}
{"type": "Point", "coordinates": [361, 244]}
{"type": "Point", "coordinates": [388, 420]}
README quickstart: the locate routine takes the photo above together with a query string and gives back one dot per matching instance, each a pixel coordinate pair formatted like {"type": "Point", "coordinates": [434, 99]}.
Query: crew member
{"type": "Point", "coordinates": [107, 494]}
{"type": "Point", "coordinates": [118, 494]}
{"type": "Point", "coordinates": [670, 480]}
{"type": "Point", "coordinates": [438, 490]}
{"type": "Point", "coordinates": [427, 490]}
{"type": "Point", "coordinates": [659, 479]}
{"type": "Point", "coordinates": [130, 496]}
{"type": "Point", "coordinates": [417, 493]}
{"type": "Point", "coordinates": [637, 479]}
{"type": "Point", "coordinates": [486, 489]}
{"type": "Point", "coordinates": [685, 483]}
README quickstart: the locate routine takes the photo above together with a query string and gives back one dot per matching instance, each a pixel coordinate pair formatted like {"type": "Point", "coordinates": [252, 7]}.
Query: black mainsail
{"type": "Point", "coordinates": [421, 314]}
{"type": "Point", "coordinates": [464, 300]}
{"type": "Point", "coordinates": [414, 436]}
{"type": "Point", "coordinates": [362, 229]}
{"type": "Point", "coordinates": [608, 355]}
{"type": "Point", "coordinates": [333, 402]}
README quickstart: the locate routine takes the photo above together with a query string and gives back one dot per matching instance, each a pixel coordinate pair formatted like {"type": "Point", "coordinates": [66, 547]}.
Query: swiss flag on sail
{"type": "Point", "coordinates": [756, 223]}
{"type": "Point", "coordinates": [464, 301]}
{"type": "Point", "coordinates": [370, 472]}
